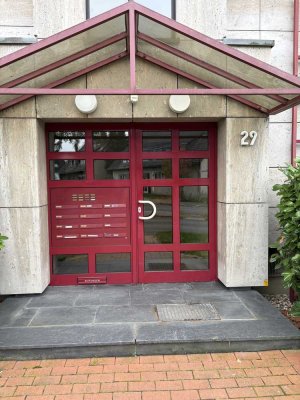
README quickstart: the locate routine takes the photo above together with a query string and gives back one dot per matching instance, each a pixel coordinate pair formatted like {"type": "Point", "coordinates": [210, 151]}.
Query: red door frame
{"type": "Point", "coordinates": [175, 155]}
{"type": "Point", "coordinates": [135, 185]}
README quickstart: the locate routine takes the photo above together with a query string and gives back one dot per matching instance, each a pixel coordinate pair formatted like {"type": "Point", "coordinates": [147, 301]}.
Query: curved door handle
{"type": "Point", "coordinates": [151, 204]}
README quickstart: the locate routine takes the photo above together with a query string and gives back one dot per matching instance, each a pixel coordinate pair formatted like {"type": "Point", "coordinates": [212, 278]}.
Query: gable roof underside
{"type": "Point", "coordinates": [133, 31]}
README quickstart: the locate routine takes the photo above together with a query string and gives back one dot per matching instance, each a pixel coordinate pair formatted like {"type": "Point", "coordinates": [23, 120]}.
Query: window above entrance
{"type": "Point", "coordinates": [165, 7]}
{"type": "Point", "coordinates": [133, 32]}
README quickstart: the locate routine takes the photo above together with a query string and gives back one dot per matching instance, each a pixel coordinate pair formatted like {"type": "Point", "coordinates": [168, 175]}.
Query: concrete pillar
{"type": "Point", "coordinates": [242, 203]}
{"type": "Point", "coordinates": [24, 263]}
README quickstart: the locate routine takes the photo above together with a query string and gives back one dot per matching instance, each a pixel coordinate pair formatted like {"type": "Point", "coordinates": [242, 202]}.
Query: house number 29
{"type": "Point", "coordinates": [248, 138]}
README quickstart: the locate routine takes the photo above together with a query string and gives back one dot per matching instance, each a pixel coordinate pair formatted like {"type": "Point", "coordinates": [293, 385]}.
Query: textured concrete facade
{"type": "Point", "coordinates": [242, 204]}
{"type": "Point", "coordinates": [244, 185]}
{"type": "Point", "coordinates": [23, 207]}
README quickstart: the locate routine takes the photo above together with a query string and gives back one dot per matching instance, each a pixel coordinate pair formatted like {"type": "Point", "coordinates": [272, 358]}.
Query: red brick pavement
{"type": "Point", "coordinates": [264, 375]}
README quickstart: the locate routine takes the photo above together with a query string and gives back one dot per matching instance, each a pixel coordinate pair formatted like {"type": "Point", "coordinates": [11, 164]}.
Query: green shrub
{"type": "Point", "coordinates": [287, 256]}
{"type": "Point", "coordinates": [2, 238]}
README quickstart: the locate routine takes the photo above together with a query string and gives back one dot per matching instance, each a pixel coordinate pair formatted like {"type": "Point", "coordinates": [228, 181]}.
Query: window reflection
{"type": "Point", "coordinates": [113, 141]}
{"type": "Point", "coordinates": [160, 261]}
{"type": "Point", "coordinates": [67, 141]}
{"type": "Point", "coordinates": [194, 214]}
{"type": "Point", "coordinates": [113, 262]}
{"type": "Point", "coordinates": [64, 264]}
{"type": "Point", "coordinates": [157, 169]}
{"type": "Point", "coordinates": [193, 260]}
{"type": "Point", "coordinates": [64, 170]}
{"type": "Point", "coordinates": [193, 140]}
{"type": "Point", "coordinates": [111, 169]}
{"type": "Point", "coordinates": [157, 141]}
{"type": "Point", "coordinates": [163, 7]}
{"type": "Point", "coordinates": [160, 228]}
{"type": "Point", "coordinates": [193, 168]}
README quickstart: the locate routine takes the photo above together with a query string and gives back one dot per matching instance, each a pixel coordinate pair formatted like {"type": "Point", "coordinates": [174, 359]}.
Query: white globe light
{"type": "Point", "coordinates": [179, 103]}
{"type": "Point", "coordinates": [86, 103]}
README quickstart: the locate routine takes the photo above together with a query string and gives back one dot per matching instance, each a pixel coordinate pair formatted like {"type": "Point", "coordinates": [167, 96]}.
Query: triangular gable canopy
{"type": "Point", "coordinates": [134, 31]}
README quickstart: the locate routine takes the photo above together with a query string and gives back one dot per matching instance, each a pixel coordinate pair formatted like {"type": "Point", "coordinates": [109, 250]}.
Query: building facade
{"type": "Point", "coordinates": [77, 187]}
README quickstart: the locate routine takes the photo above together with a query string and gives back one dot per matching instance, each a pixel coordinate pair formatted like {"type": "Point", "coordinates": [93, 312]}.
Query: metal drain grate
{"type": "Point", "coordinates": [186, 312]}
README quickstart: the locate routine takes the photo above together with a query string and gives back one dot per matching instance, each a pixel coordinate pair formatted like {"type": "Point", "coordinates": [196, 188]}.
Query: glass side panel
{"type": "Point", "coordinates": [114, 141]}
{"type": "Point", "coordinates": [114, 262]}
{"type": "Point", "coordinates": [160, 228]}
{"type": "Point", "coordinates": [200, 72]}
{"type": "Point", "coordinates": [111, 169]}
{"type": "Point", "coordinates": [193, 140]}
{"type": "Point", "coordinates": [77, 65]}
{"type": "Point", "coordinates": [211, 56]}
{"type": "Point", "coordinates": [161, 261]}
{"type": "Point", "coordinates": [194, 214]}
{"type": "Point", "coordinates": [66, 264]}
{"type": "Point", "coordinates": [66, 170]}
{"type": "Point", "coordinates": [194, 260]}
{"type": "Point", "coordinates": [69, 141]}
{"type": "Point", "coordinates": [157, 141]}
{"type": "Point", "coordinates": [157, 169]}
{"type": "Point", "coordinates": [193, 168]}
{"type": "Point", "coordinates": [63, 49]}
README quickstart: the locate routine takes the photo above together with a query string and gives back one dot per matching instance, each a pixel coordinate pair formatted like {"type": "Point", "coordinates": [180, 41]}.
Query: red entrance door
{"type": "Point", "coordinates": [131, 204]}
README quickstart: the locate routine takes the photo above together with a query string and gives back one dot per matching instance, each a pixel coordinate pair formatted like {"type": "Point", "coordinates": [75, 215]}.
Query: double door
{"type": "Point", "coordinates": [131, 203]}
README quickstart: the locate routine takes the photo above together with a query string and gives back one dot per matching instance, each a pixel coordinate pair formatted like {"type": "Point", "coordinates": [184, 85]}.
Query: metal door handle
{"type": "Point", "coordinates": [151, 204]}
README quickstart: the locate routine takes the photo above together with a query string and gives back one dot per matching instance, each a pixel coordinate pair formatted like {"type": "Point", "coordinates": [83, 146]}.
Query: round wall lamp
{"type": "Point", "coordinates": [86, 103]}
{"type": "Point", "coordinates": [179, 103]}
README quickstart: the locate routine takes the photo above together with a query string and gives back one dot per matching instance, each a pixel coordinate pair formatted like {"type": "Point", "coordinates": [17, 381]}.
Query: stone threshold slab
{"type": "Point", "coordinates": [147, 339]}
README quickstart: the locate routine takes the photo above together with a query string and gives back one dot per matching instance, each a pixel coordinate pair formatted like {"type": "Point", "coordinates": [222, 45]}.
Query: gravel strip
{"type": "Point", "coordinates": [281, 301]}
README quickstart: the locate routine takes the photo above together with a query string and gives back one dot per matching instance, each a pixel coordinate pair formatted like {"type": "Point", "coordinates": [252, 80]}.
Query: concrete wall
{"type": "Point", "coordinates": [23, 207]}
{"type": "Point", "coordinates": [242, 203]}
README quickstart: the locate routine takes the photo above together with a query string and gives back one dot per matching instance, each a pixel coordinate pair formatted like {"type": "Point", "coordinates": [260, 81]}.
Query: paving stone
{"type": "Point", "coordinates": [209, 295]}
{"type": "Point", "coordinates": [64, 316]}
{"type": "Point", "coordinates": [66, 336]}
{"type": "Point", "coordinates": [258, 305]}
{"type": "Point", "coordinates": [15, 316]}
{"type": "Point", "coordinates": [216, 331]}
{"type": "Point", "coordinates": [52, 298]}
{"type": "Point", "coordinates": [165, 286]}
{"type": "Point", "coordinates": [104, 297]}
{"type": "Point", "coordinates": [171, 296]}
{"type": "Point", "coordinates": [13, 304]}
{"type": "Point", "coordinates": [232, 310]}
{"type": "Point", "coordinates": [126, 314]}
{"type": "Point", "coordinates": [208, 286]}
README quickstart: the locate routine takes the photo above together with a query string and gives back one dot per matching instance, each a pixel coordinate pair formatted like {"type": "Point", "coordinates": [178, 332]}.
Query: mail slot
{"type": "Point", "coordinates": [78, 222]}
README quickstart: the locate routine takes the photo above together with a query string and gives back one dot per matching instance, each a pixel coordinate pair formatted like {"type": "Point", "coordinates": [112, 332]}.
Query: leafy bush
{"type": "Point", "coordinates": [287, 256]}
{"type": "Point", "coordinates": [2, 238]}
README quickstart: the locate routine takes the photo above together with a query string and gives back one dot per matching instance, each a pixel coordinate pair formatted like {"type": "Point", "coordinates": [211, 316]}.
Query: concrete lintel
{"type": "Point", "coordinates": [18, 40]}
{"type": "Point", "coordinates": [249, 42]}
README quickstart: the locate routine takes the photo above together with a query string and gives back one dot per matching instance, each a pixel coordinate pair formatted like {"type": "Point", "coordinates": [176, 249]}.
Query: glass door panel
{"type": "Point", "coordinates": [159, 229]}
{"type": "Point", "coordinates": [193, 214]}
{"type": "Point", "coordinates": [175, 177]}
